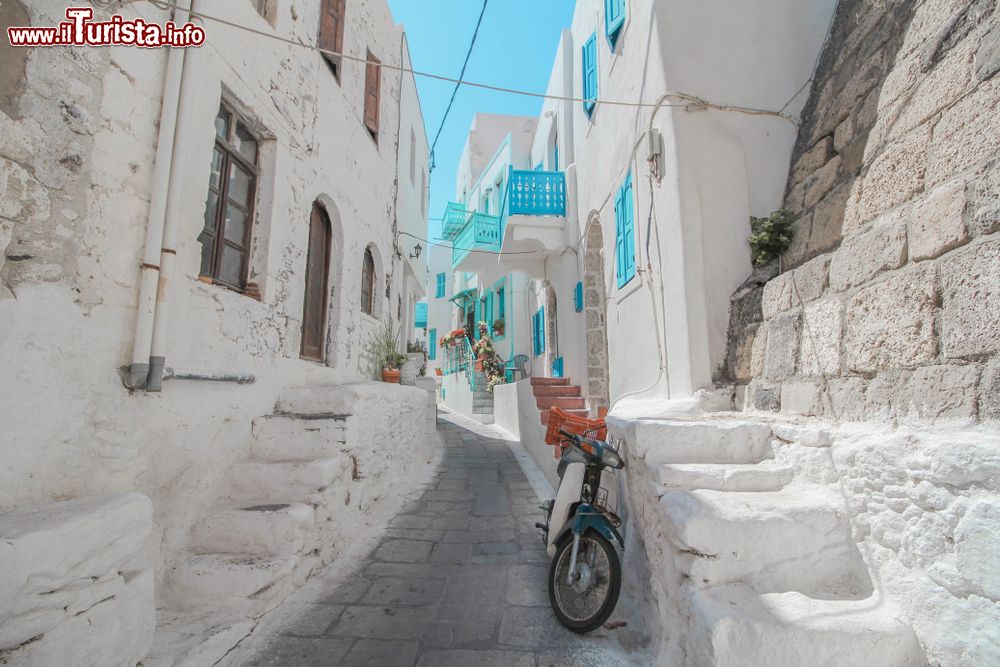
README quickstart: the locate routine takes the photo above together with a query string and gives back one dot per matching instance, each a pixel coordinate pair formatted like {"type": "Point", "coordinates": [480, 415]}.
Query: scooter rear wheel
{"type": "Point", "coordinates": [585, 603]}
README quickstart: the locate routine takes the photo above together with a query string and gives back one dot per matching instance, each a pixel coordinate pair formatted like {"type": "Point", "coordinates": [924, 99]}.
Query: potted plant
{"type": "Point", "coordinates": [384, 354]}
{"type": "Point", "coordinates": [498, 327]}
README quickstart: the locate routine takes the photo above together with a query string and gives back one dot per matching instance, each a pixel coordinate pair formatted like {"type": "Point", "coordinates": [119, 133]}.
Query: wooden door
{"type": "Point", "coordinates": [317, 287]}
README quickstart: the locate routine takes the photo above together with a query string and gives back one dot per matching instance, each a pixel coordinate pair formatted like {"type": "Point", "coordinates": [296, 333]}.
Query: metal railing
{"type": "Point", "coordinates": [536, 192]}
{"type": "Point", "coordinates": [481, 232]}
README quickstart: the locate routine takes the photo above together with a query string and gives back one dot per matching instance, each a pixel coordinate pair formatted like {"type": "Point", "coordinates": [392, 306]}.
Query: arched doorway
{"type": "Point", "coordinates": [317, 287]}
{"type": "Point", "coordinates": [595, 312]}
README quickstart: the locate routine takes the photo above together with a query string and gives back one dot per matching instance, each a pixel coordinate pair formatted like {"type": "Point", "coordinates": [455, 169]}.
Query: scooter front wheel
{"type": "Point", "coordinates": [584, 601]}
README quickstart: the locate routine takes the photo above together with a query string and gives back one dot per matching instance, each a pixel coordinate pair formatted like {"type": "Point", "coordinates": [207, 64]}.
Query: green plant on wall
{"type": "Point", "coordinates": [770, 236]}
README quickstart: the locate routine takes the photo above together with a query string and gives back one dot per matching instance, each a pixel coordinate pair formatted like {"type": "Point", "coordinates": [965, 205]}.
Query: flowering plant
{"type": "Point", "coordinates": [498, 327]}
{"type": "Point", "coordinates": [493, 365]}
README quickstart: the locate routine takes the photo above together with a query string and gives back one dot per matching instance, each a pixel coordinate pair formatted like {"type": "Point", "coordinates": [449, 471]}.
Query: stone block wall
{"type": "Point", "coordinates": [887, 303]}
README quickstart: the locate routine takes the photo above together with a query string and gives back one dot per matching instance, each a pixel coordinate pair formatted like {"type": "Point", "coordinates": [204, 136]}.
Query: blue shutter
{"type": "Point", "coordinates": [557, 367]}
{"type": "Point", "coordinates": [614, 19]}
{"type": "Point", "coordinates": [440, 285]}
{"type": "Point", "coordinates": [502, 308]}
{"type": "Point", "coordinates": [578, 297]}
{"type": "Point", "coordinates": [420, 316]}
{"type": "Point", "coordinates": [541, 329]}
{"type": "Point", "coordinates": [619, 239]}
{"type": "Point", "coordinates": [534, 334]}
{"type": "Point", "coordinates": [489, 309]}
{"type": "Point", "coordinates": [589, 72]}
{"type": "Point", "coordinates": [432, 345]}
{"type": "Point", "coordinates": [628, 204]}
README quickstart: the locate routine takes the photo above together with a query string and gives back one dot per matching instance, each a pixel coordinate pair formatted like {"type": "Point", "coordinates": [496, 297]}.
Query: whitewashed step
{"type": "Point", "coordinates": [222, 580]}
{"type": "Point", "coordinates": [675, 441]}
{"type": "Point", "coordinates": [301, 438]}
{"type": "Point", "coordinates": [288, 482]}
{"type": "Point", "coordinates": [734, 627]}
{"type": "Point", "coordinates": [764, 476]}
{"type": "Point", "coordinates": [258, 530]}
{"type": "Point", "coordinates": [789, 540]}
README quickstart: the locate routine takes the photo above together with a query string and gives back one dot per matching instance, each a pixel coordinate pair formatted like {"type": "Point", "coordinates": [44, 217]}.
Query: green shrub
{"type": "Point", "coordinates": [770, 236]}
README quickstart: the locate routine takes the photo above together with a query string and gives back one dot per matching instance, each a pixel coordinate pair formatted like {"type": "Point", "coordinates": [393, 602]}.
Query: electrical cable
{"type": "Point", "coordinates": [689, 101]}
{"type": "Point", "coordinates": [485, 252]}
{"type": "Point", "coordinates": [461, 75]}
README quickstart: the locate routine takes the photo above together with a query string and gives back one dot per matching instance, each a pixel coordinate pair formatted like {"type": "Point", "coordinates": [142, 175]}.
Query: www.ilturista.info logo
{"type": "Point", "coordinates": [79, 30]}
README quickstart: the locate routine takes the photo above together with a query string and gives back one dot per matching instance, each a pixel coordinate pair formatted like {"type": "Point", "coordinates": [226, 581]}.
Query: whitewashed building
{"type": "Point", "coordinates": [808, 443]}
{"type": "Point", "coordinates": [197, 246]}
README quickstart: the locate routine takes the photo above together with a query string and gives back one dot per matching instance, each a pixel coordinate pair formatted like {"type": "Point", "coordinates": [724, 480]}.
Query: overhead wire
{"type": "Point", "coordinates": [458, 84]}
{"type": "Point", "coordinates": [688, 100]}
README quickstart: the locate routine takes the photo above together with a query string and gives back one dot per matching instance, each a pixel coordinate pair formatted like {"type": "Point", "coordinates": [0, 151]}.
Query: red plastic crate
{"type": "Point", "coordinates": [559, 419]}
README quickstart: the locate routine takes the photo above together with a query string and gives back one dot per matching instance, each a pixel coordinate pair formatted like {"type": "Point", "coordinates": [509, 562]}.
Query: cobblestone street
{"type": "Point", "coordinates": [458, 579]}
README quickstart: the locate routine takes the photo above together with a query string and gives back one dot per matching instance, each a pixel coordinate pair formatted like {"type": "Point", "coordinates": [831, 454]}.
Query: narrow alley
{"type": "Point", "coordinates": [457, 579]}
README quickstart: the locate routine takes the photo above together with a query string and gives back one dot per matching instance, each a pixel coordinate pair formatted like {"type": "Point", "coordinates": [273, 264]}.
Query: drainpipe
{"type": "Point", "coordinates": [151, 255]}
{"type": "Point", "coordinates": [175, 200]}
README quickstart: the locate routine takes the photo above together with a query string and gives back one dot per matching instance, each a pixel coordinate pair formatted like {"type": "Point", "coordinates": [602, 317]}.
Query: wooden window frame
{"type": "Point", "coordinates": [373, 73]}
{"type": "Point", "coordinates": [229, 153]}
{"type": "Point", "coordinates": [336, 42]}
{"type": "Point", "coordinates": [368, 290]}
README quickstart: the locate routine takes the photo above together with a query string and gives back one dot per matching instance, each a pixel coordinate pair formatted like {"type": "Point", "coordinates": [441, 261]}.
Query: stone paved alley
{"type": "Point", "coordinates": [458, 579]}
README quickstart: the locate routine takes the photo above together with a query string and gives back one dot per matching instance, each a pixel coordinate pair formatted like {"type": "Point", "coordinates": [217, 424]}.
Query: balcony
{"type": "Point", "coordinates": [475, 247]}
{"type": "Point", "coordinates": [535, 213]}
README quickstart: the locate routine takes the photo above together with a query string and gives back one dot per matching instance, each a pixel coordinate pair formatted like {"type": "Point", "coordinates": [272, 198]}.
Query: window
{"type": "Point", "coordinates": [625, 233]}
{"type": "Point", "coordinates": [440, 286]}
{"type": "Point", "coordinates": [578, 297]}
{"type": "Point", "coordinates": [432, 344]}
{"type": "Point", "coordinates": [423, 191]}
{"type": "Point", "coordinates": [373, 88]}
{"type": "Point", "coordinates": [501, 303]}
{"type": "Point", "coordinates": [614, 19]}
{"type": "Point", "coordinates": [484, 201]}
{"type": "Point", "coordinates": [589, 73]}
{"type": "Point", "coordinates": [488, 309]}
{"type": "Point", "coordinates": [232, 190]}
{"type": "Point", "coordinates": [331, 33]}
{"type": "Point", "coordinates": [538, 331]}
{"type": "Point", "coordinates": [413, 157]}
{"type": "Point", "coordinates": [316, 299]}
{"type": "Point", "coordinates": [420, 315]}
{"type": "Point", "coordinates": [368, 284]}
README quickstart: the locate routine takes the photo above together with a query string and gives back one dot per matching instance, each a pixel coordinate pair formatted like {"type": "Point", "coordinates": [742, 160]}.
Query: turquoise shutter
{"type": "Point", "coordinates": [578, 297]}
{"type": "Point", "coordinates": [614, 19]}
{"type": "Point", "coordinates": [628, 204]}
{"type": "Point", "coordinates": [440, 285]}
{"type": "Point", "coordinates": [541, 329]}
{"type": "Point", "coordinates": [502, 308]}
{"type": "Point", "coordinates": [489, 309]}
{"type": "Point", "coordinates": [432, 345]}
{"type": "Point", "coordinates": [590, 74]}
{"type": "Point", "coordinates": [619, 240]}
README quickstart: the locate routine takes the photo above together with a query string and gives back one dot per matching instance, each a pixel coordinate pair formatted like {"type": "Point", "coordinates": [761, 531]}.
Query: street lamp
{"type": "Point", "coordinates": [416, 252]}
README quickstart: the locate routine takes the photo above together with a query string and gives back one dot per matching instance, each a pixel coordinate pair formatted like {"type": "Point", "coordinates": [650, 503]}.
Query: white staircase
{"type": "Point", "coordinates": [260, 542]}
{"type": "Point", "coordinates": [767, 572]}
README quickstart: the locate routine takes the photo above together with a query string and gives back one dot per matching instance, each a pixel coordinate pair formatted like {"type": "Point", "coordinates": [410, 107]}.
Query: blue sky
{"type": "Point", "coordinates": [515, 48]}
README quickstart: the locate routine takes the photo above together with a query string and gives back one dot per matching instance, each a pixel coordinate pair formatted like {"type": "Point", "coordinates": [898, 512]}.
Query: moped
{"type": "Point", "coordinates": [582, 534]}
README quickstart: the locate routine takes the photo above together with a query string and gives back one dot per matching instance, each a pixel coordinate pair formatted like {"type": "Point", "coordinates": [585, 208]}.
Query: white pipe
{"type": "Point", "coordinates": [151, 256]}
{"type": "Point", "coordinates": [187, 94]}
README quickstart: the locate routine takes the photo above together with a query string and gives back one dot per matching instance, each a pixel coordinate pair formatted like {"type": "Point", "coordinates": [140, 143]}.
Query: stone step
{"type": "Point", "coordinates": [299, 438]}
{"type": "Point", "coordinates": [793, 539]}
{"type": "Point", "coordinates": [675, 441]}
{"type": "Point", "coordinates": [256, 530]}
{"type": "Point", "coordinates": [482, 402]}
{"type": "Point", "coordinates": [482, 410]}
{"type": "Point", "coordinates": [227, 580]}
{"type": "Point", "coordinates": [544, 414]}
{"type": "Point", "coordinates": [737, 627]}
{"type": "Point", "coordinates": [286, 482]}
{"type": "Point", "coordinates": [556, 390]}
{"type": "Point", "coordinates": [764, 476]}
{"type": "Point", "coordinates": [548, 382]}
{"type": "Point", "coordinates": [564, 402]}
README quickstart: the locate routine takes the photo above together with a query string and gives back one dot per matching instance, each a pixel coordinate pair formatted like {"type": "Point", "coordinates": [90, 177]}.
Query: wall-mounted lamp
{"type": "Point", "coordinates": [416, 252]}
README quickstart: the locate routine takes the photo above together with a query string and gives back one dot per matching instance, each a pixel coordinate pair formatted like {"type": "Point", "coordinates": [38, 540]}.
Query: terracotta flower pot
{"type": "Point", "coordinates": [390, 375]}
{"type": "Point", "coordinates": [438, 371]}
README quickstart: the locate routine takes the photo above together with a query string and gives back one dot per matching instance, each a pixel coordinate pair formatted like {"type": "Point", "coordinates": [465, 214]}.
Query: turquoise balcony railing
{"type": "Point", "coordinates": [455, 217]}
{"type": "Point", "coordinates": [481, 233]}
{"type": "Point", "coordinates": [536, 193]}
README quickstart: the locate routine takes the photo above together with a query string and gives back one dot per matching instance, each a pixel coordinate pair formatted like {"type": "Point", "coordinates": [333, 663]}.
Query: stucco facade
{"type": "Point", "coordinates": [78, 170]}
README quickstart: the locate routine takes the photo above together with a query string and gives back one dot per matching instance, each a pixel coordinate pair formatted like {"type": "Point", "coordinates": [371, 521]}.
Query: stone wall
{"type": "Point", "coordinates": [887, 303]}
